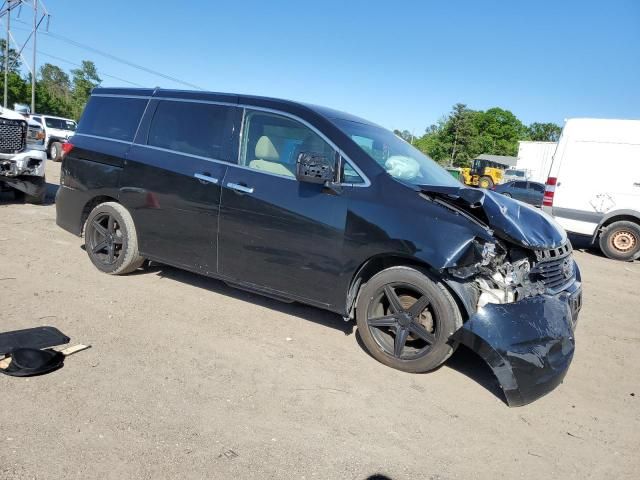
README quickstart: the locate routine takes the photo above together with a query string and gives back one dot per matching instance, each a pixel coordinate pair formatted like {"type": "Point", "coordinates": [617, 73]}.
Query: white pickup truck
{"type": "Point", "coordinates": [57, 130]}
{"type": "Point", "coordinates": [22, 156]}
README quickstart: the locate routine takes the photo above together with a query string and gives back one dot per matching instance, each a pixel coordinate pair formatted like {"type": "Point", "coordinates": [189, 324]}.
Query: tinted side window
{"type": "Point", "coordinates": [537, 187]}
{"type": "Point", "coordinates": [522, 185]}
{"type": "Point", "coordinates": [112, 117]}
{"type": "Point", "coordinates": [194, 128]}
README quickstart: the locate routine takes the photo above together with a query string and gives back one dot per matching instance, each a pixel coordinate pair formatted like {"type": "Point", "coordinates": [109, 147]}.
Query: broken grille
{"type": "Point", "coordinates": [554, 268]}
{"type": "Point", "coordinates": [12, 136]}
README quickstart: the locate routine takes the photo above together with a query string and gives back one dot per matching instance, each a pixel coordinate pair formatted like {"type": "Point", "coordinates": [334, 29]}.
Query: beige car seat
{"type": "Point", "coordinates": [268, 158]}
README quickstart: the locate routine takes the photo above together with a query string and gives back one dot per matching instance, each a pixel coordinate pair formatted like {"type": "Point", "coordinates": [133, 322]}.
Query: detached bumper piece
{"type": "Point", "coordinates": [528, 344]}
{"type": "Point", "coordinates": [33, 186]}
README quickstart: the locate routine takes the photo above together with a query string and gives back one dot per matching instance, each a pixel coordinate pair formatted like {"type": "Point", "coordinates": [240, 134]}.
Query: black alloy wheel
{"type": "Point", "coordinates": [400, 321]}
{"type": "Point", "coordinates": [406, 319]}
{"type": "Point", "coordinates": [105, 239]}
{"type": "Point", "coordinates": [111, 240]}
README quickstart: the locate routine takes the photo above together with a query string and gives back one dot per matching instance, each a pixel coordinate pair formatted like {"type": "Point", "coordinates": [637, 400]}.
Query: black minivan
{"type": "Point", "coordinates": [308, 204]}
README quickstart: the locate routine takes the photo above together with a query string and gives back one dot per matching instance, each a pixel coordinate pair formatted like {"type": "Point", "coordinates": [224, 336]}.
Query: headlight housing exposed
{"type": "Point", "coordinates": [516, 273]}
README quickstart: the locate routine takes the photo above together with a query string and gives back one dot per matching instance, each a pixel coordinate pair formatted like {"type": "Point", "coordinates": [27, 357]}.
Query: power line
{"type": "Point", "coordinates": [115, 58]}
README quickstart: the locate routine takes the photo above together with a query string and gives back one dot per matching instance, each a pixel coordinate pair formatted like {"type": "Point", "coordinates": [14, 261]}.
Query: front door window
{"type": "Point", "coordinates": [271, 143]}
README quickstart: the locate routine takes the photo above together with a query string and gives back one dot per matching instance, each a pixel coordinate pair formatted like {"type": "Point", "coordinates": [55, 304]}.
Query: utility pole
{"type": "Point", "coordinates": [40, 13]}
{"type": "Point", "coordinates": [6, 54]}
{"type": "Point", "coordinates": [33, 63]}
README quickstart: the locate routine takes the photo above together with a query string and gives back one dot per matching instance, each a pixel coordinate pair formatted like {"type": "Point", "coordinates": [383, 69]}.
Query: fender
{"type": "Point", "coordinates": [616, 213]}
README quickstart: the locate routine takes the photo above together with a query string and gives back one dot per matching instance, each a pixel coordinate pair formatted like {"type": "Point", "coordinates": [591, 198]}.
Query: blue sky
{"type": "Point", "coordinates": [400, 64]}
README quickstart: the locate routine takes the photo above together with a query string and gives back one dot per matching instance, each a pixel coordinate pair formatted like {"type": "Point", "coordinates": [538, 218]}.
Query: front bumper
{"type": "Point", "coordinates": [28, 163]}
{"type": "Point", "coordinates": [528, 344]}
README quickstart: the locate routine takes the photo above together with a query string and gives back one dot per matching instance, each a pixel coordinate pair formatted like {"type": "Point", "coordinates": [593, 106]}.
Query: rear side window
{"type": "Point", "coordinates": [522, 185]}
{"type": "Point", "coordinates": [196, 128]}
{"type": "Point", "coordinates": [112, 117]}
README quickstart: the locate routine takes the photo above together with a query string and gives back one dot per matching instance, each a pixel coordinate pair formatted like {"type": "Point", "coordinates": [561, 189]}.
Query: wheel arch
{"type": "Point", "coordinates": [380, 262]}
{"type": "Point", "coordinates": [54, 139]}
{"type": "Point", "coordinates": [90, 205]}
{"type": "Point", "coordinates": [616, 216]}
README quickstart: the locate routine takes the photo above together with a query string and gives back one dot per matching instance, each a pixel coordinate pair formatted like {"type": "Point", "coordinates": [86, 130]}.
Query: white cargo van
{"type": "Point", "coordinates": [593, 186]}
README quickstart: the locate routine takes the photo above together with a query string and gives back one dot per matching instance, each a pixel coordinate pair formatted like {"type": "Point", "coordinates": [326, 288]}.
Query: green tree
{"type": "Point", "coordinates": [55, 80]}
{"type": "Point", "coordinates": [464, 134]}
{"type": "Point", "coordinates": [498, 132]}
{"type": "Point", "coordinates": [460, 132]}
{"type": "Point", "coordinates": [406, 135]}
{"type": "Point", "coordinates": [544, 132]}
{"type": "Point", "coordinates": [16, 89]}
{"type": "Point", "coordinates": [452, 141]}
{"type": "Point", "coordinates": [51, 104]}
{"type": "Point", "coordinates": [16, 85]}
{"type": "Point", "coordinates": [14, 58]}
{"type": "Point", "coordinates": [53, 91]}
{"type": "Point", "coordinates": [84, 80]}
{"type": "Point", "coordinates": [432, 144]}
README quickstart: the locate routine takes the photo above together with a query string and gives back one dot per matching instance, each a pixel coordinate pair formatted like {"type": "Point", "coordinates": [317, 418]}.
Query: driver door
{"type": "Point", "coordinates": [277, 233]}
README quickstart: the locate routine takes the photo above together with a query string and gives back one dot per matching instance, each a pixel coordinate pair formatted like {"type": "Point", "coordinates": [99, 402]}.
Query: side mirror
{"type": "Point", "coordinates": [315, 168]}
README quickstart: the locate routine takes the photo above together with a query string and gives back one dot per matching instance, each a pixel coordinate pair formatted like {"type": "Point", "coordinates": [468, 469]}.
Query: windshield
{"type": "Point", "coordinates": [60, 124]}
{"type": "Point", "coordinates": [397, 157]}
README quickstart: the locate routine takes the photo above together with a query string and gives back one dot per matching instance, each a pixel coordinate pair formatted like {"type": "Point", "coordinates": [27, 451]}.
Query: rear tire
{"type": "Point", "coordinates": [55, 151]}
{"type": "Point", "coordinates": [621, 241]}
{"type": "Point", "coordinates": [405, 320]}
{"type": "Point", "coordinates": [111, 240]}
{"type": "Point", "coordinates": [485, 182]}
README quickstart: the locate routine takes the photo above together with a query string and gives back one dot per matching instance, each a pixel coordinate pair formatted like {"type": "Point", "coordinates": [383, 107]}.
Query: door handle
{"type": "Point", "coordinates": [203, 177]}
{"type": "Point", "coordinates": [636, 184]}
{"type": "Point", "coordinates": [240, 188]}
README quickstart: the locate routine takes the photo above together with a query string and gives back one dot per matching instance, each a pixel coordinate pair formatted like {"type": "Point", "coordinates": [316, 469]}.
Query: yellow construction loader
{"type": "Point", "coordinates": [484, 173]}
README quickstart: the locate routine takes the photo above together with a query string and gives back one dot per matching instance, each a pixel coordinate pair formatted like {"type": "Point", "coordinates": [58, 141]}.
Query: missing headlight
{"type": "Point", "coordinates": [510, 282]}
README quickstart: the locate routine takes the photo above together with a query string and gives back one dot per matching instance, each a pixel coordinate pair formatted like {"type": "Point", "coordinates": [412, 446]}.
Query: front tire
{"type": "Point", "coordinates": [485, 182]}
{"type": "Point", "coordinates": [55, 151]}
{"type": "Point", "coordinates": [621, 241]}
{"type": "Point", "coordinates": [406, 319]}
{"type": "Point", "coordinates": [111, 239]}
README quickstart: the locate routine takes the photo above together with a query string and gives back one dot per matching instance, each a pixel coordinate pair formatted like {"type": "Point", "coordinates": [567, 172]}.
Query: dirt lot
{"type": "Point", "coordinates": [189, 378]}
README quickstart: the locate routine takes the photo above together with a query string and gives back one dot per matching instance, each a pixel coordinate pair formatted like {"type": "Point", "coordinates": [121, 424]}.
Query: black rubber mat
{"type": "Point", "coordinates": [38, 337]}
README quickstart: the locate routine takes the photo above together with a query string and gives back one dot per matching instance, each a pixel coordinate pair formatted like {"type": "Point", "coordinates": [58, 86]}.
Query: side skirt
{"type": "Point", "coordinates": [249, 287]}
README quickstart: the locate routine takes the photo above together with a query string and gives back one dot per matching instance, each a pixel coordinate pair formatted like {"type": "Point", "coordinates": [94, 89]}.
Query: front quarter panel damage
{"type": "Point", "coordinates": [528, 344]}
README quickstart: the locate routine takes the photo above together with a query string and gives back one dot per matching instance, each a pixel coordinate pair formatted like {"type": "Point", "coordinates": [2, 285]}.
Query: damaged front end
{"type": "Point", "coordinates": [22, 155]}
{"type": "Point", "coordinates": [522, 293]}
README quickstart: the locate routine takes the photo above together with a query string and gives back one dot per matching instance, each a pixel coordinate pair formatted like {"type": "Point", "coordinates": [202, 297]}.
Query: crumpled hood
{"type": "Point", "coordinates": [509, 219]}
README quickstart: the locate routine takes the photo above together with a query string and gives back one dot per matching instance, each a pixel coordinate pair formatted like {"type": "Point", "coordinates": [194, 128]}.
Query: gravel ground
{"type": "Point", "coordinates": [189, 378]}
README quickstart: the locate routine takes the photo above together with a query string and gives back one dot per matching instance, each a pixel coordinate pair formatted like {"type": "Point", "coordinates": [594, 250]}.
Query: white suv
{"type": "Point", "coordinates": [57, 130]}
